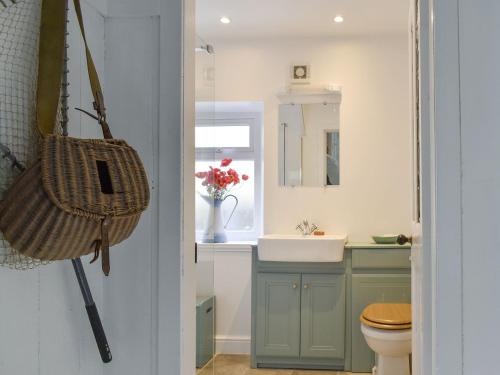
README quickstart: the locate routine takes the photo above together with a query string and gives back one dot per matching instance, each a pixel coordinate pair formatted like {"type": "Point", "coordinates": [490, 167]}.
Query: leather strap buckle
{"type": "Point", "coordinates": [101, 115]}
{"type": "Point", "coordinates": [106, 267]}
{"type": "Point", "coordinates": [99, 104]}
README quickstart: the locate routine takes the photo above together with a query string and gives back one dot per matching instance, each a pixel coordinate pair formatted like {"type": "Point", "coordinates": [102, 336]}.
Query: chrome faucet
{"type": "Point", "coordinates": [306, 229]}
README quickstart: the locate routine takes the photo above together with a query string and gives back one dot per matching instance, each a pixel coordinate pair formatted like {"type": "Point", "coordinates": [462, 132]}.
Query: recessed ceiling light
{"type": "Point", "coordinates": [225, 20]}
{"type": "Point", "coordinates": [339, 19]}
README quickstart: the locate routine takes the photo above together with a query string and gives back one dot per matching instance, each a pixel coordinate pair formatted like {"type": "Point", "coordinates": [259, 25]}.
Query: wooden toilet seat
{"type": "Point", "coordinates": [388, 316]}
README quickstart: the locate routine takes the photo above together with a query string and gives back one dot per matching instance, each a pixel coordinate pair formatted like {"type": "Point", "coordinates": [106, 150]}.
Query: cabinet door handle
{"type": "Point", "coordinates": [306, 286]}
{"type": "Point", "coordinates": [294, 286]}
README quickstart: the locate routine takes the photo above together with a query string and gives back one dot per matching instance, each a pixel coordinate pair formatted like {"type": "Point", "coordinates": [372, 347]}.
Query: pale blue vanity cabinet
{"type": "Point", "coordinates": [306, 315]}
{"type": "Point", "coordinates": [322, 316]}
{"type": "Point", "coordinates": [300, 316]}
{"type": "Point", "coordinates": [278, 315]}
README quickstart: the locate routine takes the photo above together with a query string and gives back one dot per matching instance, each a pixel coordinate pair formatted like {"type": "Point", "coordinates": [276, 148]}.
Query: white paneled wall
{"type": "Point", "coordinates": [132, 102]}
{"type": "Point", "coordinates": [133, 8]}
{"type": "Point", "coordinates": [44, 328]}
{"type": "Point", "coordinates": [149, 103]}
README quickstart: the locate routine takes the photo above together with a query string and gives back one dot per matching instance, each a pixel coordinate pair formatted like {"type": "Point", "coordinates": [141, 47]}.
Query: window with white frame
{"type": "Point", "coordinates": [235, 136]}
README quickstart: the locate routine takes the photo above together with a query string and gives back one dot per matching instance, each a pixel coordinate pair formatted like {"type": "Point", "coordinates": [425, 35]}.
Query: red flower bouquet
{"type": "Point", "coordinates": [219, 181]}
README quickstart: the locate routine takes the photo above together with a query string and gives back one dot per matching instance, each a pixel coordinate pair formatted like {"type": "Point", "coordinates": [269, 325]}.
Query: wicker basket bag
{"type": "Point", "coordinates": [83, 195]}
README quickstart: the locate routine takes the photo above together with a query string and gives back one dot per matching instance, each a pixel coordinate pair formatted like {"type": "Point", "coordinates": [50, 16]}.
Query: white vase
{"type": "Point", "coordinates": [215, 231]}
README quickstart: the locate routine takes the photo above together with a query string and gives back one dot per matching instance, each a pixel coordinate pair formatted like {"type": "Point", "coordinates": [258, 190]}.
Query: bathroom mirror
{"type": "Point", "coordinates": [309, 144]}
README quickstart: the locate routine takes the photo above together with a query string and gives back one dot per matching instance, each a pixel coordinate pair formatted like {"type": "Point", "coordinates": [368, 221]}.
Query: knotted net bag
{"type": "Point", "coordinates": [19, 38]}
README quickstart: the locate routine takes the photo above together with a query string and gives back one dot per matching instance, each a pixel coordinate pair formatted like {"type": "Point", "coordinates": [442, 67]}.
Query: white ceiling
{"type": "Point", "coordinates": [293, 18]}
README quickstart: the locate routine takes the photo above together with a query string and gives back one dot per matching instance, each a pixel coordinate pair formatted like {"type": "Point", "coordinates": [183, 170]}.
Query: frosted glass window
{"type": "Point", "coordinates": [231, 136]}
{"type": "Point", "coordinates": [236, 136]}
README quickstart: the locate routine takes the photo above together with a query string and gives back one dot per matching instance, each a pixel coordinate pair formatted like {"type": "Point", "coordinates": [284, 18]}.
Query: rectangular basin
{"type": "Point", "coordinates": [298, 248]}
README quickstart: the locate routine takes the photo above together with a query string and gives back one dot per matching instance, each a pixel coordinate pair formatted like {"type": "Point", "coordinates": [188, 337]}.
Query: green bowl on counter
{"type": "Point", "coordinates": [386, 239]}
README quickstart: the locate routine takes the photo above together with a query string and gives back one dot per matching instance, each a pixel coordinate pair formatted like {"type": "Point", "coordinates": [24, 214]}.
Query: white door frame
{"type": "Point", "coordinates": [440, 234]}
{"type": "Point", "coordinates": [176, 296]}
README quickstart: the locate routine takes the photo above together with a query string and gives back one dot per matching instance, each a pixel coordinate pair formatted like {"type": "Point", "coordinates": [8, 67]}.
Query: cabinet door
{"type": "Point", "coordinates": [278, 315]}
{"type": "Point", "coordinates": [323, 316]}
{"type": "Point", "coordinates": [368, 289]}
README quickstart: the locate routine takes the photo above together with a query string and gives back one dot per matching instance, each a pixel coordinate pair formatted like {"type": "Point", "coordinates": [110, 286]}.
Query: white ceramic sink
{"type": "Point", "coordinates": [298, 248]}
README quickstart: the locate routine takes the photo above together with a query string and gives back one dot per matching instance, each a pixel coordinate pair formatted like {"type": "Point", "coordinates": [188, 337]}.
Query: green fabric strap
{"type": "Point", "coordinates": [50, 64]}
{"type": "Point", "coordinates": [51, 67]}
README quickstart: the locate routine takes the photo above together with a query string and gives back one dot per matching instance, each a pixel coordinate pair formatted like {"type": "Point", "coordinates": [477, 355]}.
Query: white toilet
{"type": "Point", "coordinates": [387, 331]}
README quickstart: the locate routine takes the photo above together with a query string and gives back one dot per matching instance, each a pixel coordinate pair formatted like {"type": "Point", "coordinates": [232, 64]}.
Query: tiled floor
{"type": "Point", "coordinates": [240, 365]}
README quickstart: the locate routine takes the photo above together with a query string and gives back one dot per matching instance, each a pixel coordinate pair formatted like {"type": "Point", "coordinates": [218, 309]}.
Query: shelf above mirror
{"type": "Point", "coordinates": [311, 95]}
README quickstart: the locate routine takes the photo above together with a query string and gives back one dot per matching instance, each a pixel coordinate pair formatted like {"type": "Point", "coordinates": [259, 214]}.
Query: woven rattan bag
{"type": "Point", "coordinates": [83, 195]}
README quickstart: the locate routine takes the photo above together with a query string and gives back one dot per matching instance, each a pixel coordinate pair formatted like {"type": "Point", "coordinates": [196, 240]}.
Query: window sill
{"type": "Point", "coordinates": [231, 246]}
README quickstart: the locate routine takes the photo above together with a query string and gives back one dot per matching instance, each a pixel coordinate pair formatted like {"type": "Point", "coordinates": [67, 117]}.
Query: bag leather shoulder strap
{"type": "Point", "coordinates": [93, 77]}
{"type": "Point", "coordinates": [51, 52]}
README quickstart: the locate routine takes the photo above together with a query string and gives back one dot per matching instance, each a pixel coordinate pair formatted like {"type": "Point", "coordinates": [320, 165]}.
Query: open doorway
{"type": "Point", "coordinates": [351, 67]}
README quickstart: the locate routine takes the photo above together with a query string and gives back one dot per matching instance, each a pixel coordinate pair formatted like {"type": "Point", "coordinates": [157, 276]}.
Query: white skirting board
{"type": "Point", "coordinates": [232, 344]}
